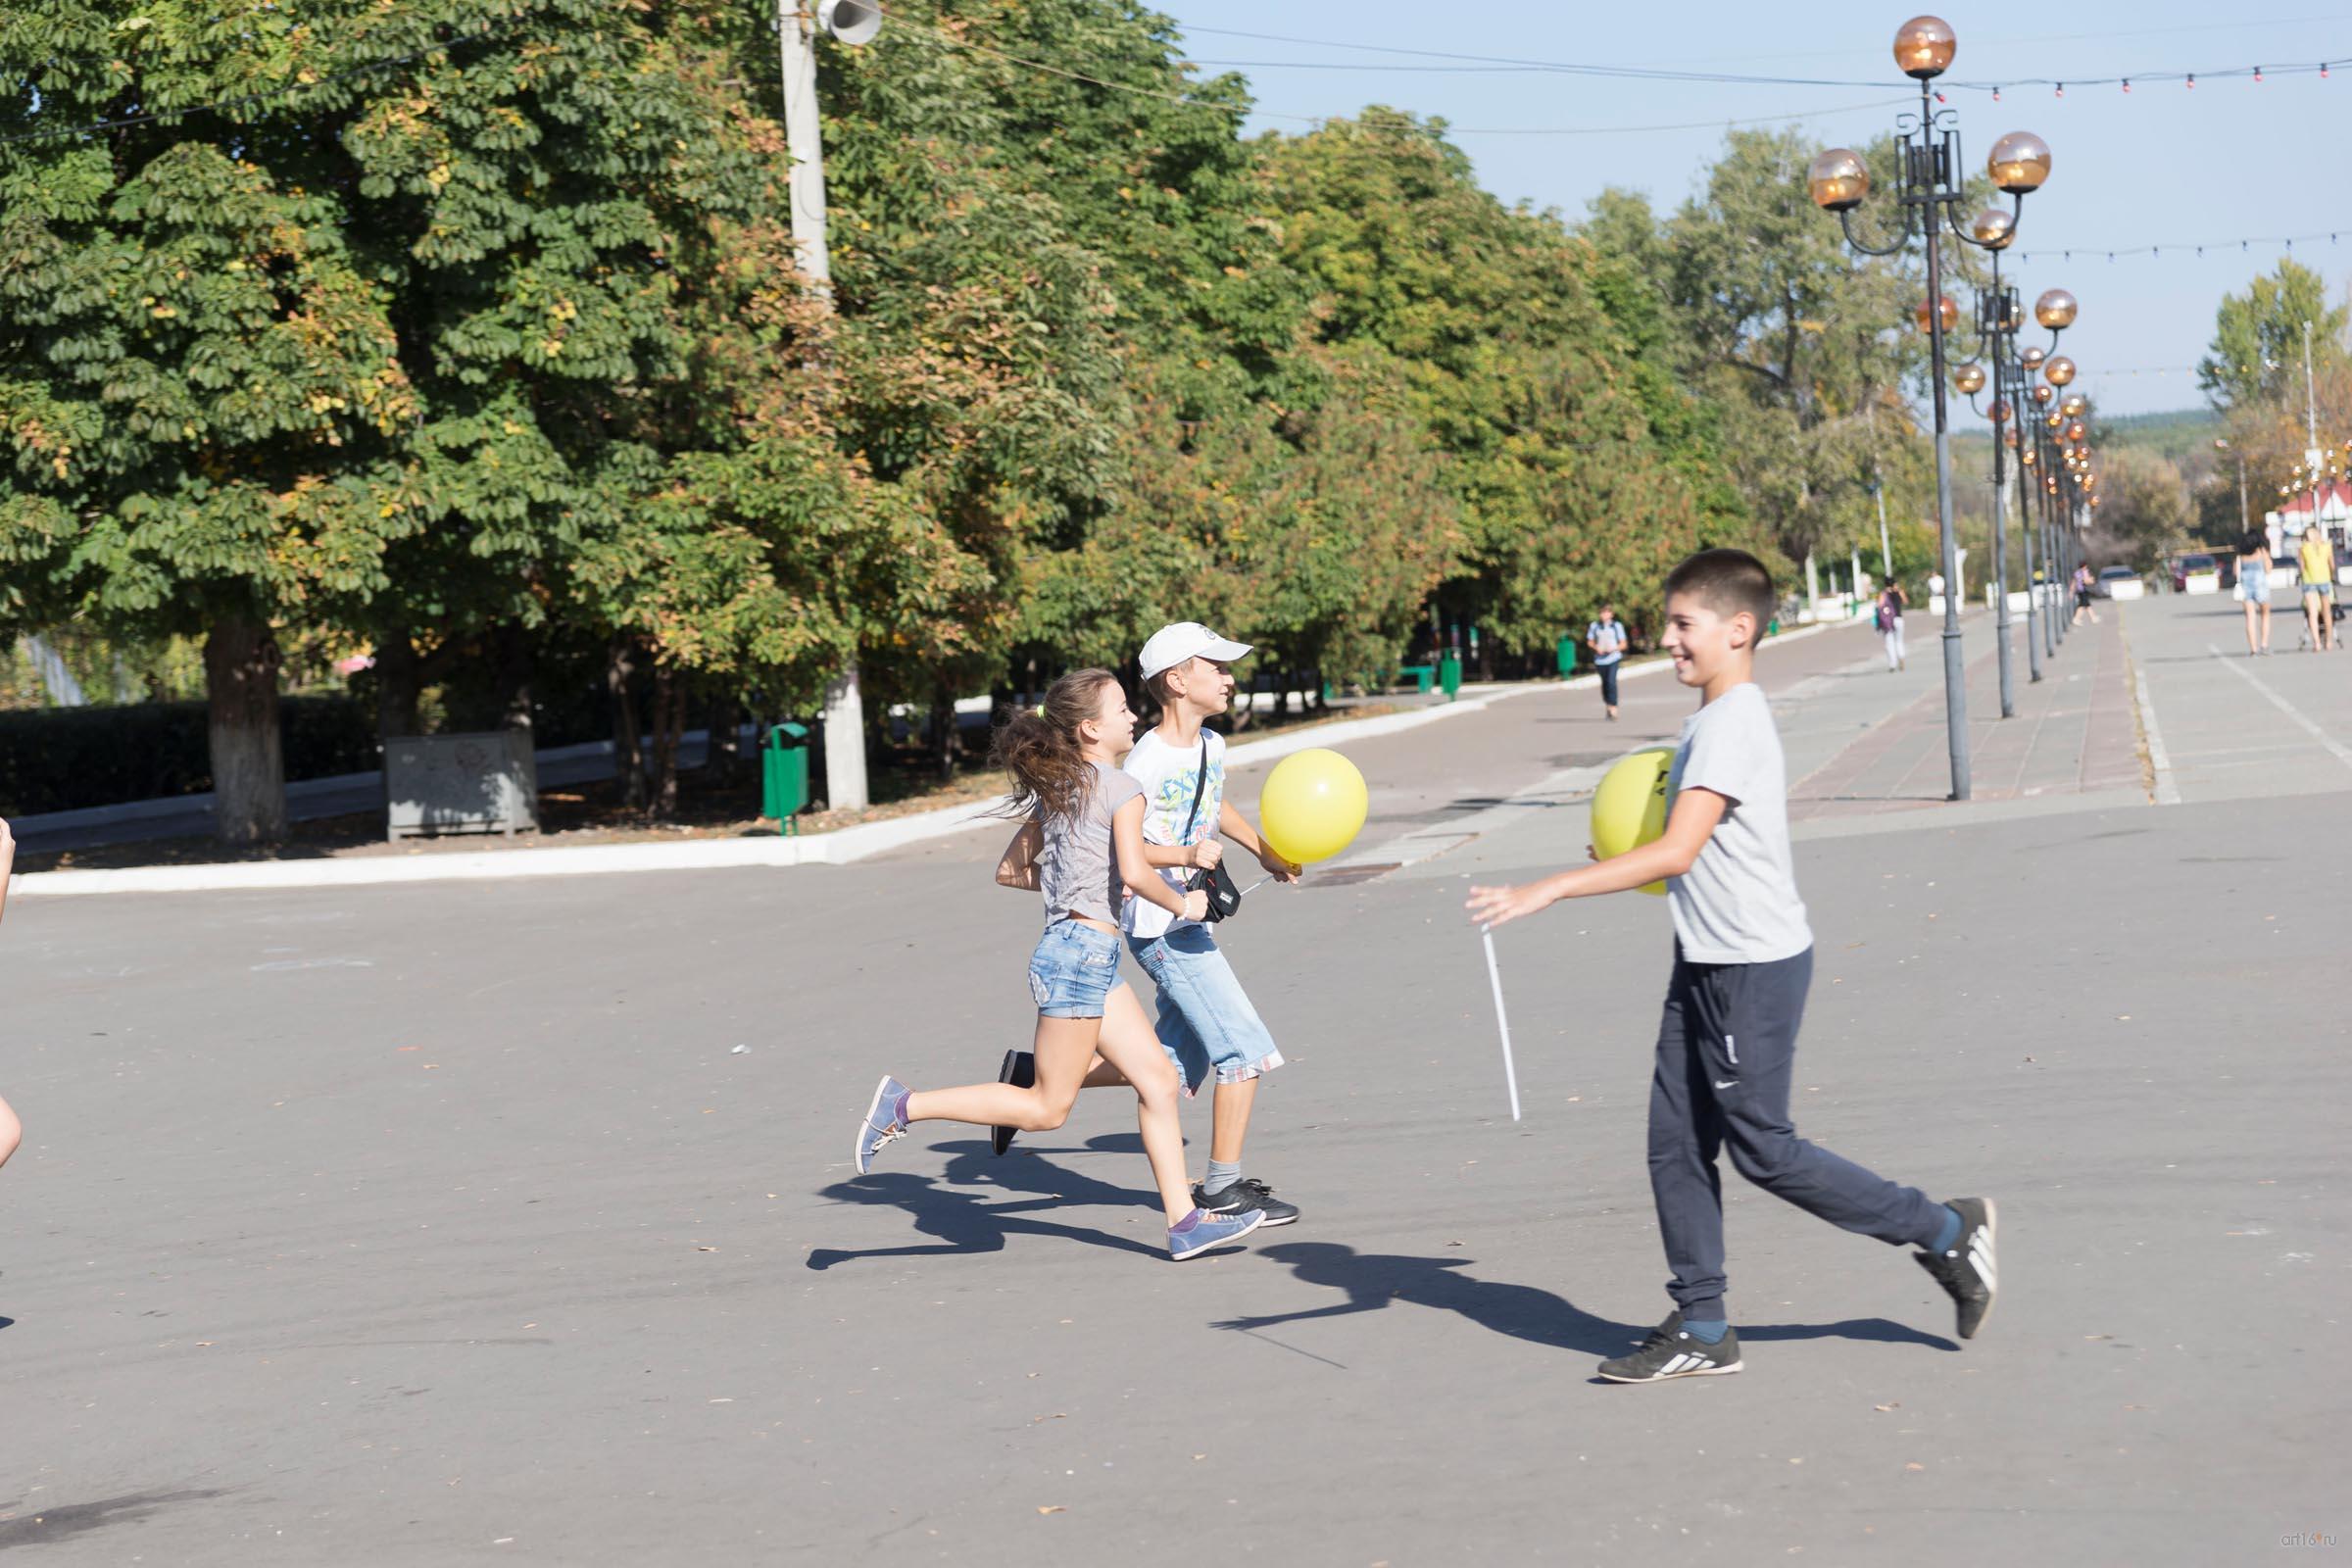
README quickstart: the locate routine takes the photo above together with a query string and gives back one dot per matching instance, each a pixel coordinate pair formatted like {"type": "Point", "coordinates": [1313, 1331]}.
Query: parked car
{"type": "Point", "coordinates": [2198, 574]}
{"type": "Point", "coordinates": [2121, 582]}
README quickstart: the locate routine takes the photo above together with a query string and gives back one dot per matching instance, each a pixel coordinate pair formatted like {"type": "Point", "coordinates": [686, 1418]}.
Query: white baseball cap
{"type": "Point", "coordinates": [1171, 646]}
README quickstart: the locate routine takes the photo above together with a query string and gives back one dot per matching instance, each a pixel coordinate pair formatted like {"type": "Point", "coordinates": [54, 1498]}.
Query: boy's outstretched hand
{"type": "Point", "coordinates": [1496, 906]}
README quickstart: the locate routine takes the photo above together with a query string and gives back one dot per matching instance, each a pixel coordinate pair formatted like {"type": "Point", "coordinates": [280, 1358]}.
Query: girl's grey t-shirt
{"type": "Point", "coordinates": [1078, 867]}
{"type": "Point", "coordinates": [1738, 903]}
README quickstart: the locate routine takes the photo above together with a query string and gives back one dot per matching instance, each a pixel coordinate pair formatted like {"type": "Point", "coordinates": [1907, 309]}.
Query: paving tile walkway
{"type": "Point", "coordinates": [2073, 732]}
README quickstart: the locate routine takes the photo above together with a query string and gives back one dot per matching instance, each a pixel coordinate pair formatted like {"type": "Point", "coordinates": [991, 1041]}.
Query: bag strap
{"type": "Point", "coordinates": [1199, 788]}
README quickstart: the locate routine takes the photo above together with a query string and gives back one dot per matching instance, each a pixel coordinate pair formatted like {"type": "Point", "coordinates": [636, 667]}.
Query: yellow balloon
{"type": "Point", "coordinates": [1312, 805]}
{"type": "Point", "coordinates": [1628, 809]}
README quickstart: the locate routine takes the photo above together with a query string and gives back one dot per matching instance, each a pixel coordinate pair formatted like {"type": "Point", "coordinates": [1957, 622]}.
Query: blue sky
{"type": "Point", "coordinates": [2162, 165]}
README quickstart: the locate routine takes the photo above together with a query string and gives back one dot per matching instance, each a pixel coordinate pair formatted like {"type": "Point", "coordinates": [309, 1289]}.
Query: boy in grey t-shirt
{"type": "Point", "coordinates": [1744, 958]}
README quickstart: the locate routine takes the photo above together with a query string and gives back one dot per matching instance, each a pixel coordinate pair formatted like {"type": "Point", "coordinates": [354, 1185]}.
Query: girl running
{"type": "Point", "coordinates": [1083, 847]}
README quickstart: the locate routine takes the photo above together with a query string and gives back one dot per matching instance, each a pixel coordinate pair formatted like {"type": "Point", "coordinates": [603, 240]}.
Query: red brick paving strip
{"type": "Point", "coordinates": [2075, 732]}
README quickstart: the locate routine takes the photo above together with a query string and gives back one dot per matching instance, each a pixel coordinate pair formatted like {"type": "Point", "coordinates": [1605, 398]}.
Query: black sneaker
{"type": "Point", "coordinates": [1671, 1352]}
{"type": "Point", "coordinates": [1245, 1193]}
{"type": "Point", "coordinates": [1967, 1272]}
{"type": "Point", "coordinates": [1020, 1071]}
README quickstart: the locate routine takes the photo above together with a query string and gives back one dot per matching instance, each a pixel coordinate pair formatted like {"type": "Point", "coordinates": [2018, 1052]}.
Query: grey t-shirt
{"type": "Point", "coordinates": [1078, 866]}
{"type": "Point", "coordinates": [1738, 903]}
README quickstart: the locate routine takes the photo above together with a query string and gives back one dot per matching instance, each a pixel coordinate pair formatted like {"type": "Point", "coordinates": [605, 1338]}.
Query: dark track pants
{"type": "Point", "coordinates": [1608, 684]}
{"type": "Point", "coordinates": [1726, 1047]}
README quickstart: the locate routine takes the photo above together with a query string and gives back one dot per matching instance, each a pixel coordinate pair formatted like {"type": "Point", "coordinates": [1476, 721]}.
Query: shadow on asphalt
{"type": "Point", "coordinates": [1373, 1281]}
{"type": "Point", "coordinates": [52, 1524]}
{"type": "Point", "coordinates": [963, 1219]}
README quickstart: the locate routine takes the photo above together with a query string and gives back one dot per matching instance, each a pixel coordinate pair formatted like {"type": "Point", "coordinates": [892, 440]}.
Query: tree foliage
{"type": "Point", "coordinates": [475, 339]}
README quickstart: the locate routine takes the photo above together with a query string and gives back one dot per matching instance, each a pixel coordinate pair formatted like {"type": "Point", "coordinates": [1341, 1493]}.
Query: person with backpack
{"type": "Point", "coordinates": [1606, 638]}
{"type": "Point", "coordinates": [1889, 621]}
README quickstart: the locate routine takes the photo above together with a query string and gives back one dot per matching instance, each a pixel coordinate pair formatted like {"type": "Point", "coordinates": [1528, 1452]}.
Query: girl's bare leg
{"type": "Point", "coordinates": [12, 1132]}
{"type": "Point", "coordinates": [1063, 1047]}
{"type": "Point", "coordinates": [2251, 609]}
{"type": "Point", "coordinates": [1132, 1048]}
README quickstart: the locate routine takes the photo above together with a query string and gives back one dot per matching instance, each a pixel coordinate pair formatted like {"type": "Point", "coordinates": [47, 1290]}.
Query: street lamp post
{"type": "Point", "coordinates": [853, 22]}
{"type": "Point", "coordinates": [1999, 321]}
{"type": "Point", "coordinates": [2065, 517]}
{"type": "Point", "coordinates": [1931, 188]}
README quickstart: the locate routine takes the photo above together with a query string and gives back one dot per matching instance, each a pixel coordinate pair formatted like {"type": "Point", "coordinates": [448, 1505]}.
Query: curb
{"type": "Point", "coordinates": [842, 847]}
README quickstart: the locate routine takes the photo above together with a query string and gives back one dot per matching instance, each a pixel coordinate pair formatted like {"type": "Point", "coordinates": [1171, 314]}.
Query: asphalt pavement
{"type": "Point", "coordinates": [446, 1223]}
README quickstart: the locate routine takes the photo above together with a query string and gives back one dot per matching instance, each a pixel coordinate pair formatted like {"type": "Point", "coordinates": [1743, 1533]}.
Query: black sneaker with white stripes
{"type": "Point", "coordinates": [1967, 1272]}
{"type": "Point", "coordinates": [1243, 1196]}
{"type": "Point", "coordinates": [1670, 1352]}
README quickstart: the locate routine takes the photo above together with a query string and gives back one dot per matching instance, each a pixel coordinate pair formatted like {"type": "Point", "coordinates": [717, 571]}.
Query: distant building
{"type": "Point", "coordinates": [2333, 503]}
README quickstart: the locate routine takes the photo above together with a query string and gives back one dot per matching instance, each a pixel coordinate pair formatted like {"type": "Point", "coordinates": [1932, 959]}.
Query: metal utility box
{"type": "Point", "coordinates": [483, 783]}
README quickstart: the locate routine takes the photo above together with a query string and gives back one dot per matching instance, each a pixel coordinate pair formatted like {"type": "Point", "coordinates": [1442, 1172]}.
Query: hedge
{"type": "Point", "coordinates": [62, 758]}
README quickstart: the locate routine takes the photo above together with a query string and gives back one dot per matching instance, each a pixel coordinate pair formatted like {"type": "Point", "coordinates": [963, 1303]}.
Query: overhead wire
{"type": "Point", "coordinates": [2319, 67]}
{"type": "Point", "coordinates": [1228, 107]}
{"type": "Point", "coordinates": [2184, 247]}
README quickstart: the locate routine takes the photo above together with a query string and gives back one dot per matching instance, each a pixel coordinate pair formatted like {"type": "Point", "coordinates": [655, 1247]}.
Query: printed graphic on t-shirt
{"type": "Point", "coordinates": [1171, 797]}
{"type": "Point", "coordinates": [1168, 778]}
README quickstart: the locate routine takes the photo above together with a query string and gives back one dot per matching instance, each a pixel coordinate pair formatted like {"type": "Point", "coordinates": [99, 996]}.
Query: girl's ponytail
{"type": "Point", "coordinates": [1050, 773]}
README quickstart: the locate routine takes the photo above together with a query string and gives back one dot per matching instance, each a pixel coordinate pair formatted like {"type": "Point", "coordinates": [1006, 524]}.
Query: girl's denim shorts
{"type": "Point", "coordinates": [1072, 970]}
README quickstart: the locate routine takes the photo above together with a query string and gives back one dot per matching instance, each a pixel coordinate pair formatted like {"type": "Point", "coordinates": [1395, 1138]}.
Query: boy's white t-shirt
{"type": "Point", "coordinates": [1167, 775]}
{"type": "Point", "coordinates": [1738, 903]}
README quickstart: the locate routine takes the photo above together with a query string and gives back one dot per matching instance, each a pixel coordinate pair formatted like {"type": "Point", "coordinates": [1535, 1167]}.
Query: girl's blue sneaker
{"type": "Point", "coordinates": [1200, 1230]}
{"type": "Point", "coordinates": [881, 1123]}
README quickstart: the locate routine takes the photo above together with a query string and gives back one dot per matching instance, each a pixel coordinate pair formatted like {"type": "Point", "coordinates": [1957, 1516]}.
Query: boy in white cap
{"type": "Point", "coordinates": [1206, 1019]}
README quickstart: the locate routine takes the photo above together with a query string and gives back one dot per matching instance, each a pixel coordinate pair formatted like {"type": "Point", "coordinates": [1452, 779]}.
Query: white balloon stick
{"type": "Point", "coordinates": [1502, 1022]}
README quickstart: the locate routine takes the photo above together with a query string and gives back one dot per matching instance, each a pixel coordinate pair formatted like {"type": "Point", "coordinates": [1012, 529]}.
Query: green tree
{"type": "Point", "coordinates": [1564, 450]}
{"type": "Point", "coordinates": [2144, 508]}
{"type": "Point", "coordinates": [2258, 336]}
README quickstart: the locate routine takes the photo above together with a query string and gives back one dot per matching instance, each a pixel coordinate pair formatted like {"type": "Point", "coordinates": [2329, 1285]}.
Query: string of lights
{"type": "Point", "coordinates": [1450, 63]}
{"type": "Point", "coordinates": [2189, 248]}
{"type": "Point", "coordinates": [1226, 106]}
{"type": "Point", "coordinates": [2256, 74]}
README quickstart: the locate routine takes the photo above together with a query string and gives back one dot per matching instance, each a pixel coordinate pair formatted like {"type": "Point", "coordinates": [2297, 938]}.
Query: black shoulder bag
{"type": "Point", "coordinates": [1224, 895]}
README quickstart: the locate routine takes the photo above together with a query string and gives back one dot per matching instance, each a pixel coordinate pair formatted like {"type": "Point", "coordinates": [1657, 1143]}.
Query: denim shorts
{"type": "Point", "coordinates": [1206, 1019]}
{"type": "Point", "coordinates": [1073, 969]}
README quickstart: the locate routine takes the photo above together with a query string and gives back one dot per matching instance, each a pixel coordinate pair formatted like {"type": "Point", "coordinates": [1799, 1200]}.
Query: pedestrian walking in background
{"type": "Point", "coordinates": [2316, 562]}
{"type": "Point", "coordinates": [1606, 638]}
{"type": "Point", "coordinates": [2254, 587]}
{"type": "Point", "coordinates": [2083, 607]}
{"type": "Point", "coordinates": [1891, 624]}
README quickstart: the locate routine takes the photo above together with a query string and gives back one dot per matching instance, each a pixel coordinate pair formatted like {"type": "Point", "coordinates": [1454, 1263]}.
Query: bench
{"type": "Point", "coordinates": [1421, 676]}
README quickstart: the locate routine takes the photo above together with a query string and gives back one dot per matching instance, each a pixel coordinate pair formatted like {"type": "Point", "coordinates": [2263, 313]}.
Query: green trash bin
{"type": "Point", "coordinates": [1450, 675]}
{"type": "Point", "coordinates": [784, 775]}
{"type": "Point", "coordinates": [1567, 656]}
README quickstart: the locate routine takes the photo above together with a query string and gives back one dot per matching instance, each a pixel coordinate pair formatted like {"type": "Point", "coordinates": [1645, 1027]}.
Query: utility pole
{"type": "Point", "coordinates": [1878, 493]}
{"type": "Point", "coordinates": [853, 22]}
{"type": "Point", "coordinates": [2311, 405]}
